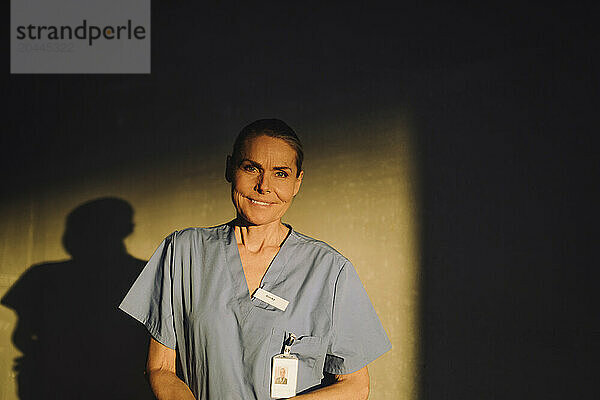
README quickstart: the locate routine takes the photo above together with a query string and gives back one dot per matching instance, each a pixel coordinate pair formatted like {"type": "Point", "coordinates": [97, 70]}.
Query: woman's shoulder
{"type": "Point", "coordinates": [195, 233]}
{"type": "Point", "coordinates": [319, 247]}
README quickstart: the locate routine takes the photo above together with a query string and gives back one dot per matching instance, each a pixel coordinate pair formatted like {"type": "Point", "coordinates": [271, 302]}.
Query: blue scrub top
{"type": "Point", "coordinates": [192, 296]}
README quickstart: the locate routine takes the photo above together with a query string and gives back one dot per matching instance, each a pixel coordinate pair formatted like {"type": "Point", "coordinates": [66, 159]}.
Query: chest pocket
{"type": "Point", "coordinates": [311, 358]}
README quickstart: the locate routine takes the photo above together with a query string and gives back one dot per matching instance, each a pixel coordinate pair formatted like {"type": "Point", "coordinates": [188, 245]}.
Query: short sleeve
{"type": "Point", "coordinates": [358, 336]}
{"type": "Point", "coordinates": [150, 298]}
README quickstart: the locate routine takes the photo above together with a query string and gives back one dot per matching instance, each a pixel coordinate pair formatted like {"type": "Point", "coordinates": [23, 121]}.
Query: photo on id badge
{"type": "Point", "coordinates": [283, 376]}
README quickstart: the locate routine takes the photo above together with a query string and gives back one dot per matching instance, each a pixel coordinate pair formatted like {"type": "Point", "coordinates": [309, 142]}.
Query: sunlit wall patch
{"type": "Point", "coordinates": [80, 36]}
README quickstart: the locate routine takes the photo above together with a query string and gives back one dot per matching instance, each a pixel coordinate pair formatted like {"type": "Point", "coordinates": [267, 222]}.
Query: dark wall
{"type": "Point", "coordinates": [509, 168]}
{"type": "Point", "coordinates": [509, 164]}
{"type": "Point", "coordinates": [502, 99]}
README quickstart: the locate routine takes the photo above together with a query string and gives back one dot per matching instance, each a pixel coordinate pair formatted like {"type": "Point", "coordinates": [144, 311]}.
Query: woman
{"type": "Point", "coordinates": [229, 306]}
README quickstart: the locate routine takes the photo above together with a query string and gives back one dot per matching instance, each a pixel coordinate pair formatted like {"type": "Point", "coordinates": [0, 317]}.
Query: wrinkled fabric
{"type": "Point", "coordinates": [192, 296]}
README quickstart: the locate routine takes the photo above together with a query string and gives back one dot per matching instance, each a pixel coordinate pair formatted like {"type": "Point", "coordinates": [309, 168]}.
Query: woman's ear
{"type": "Point", "coordinates": [298, 182]}
{"type": "Point", "coordinates": [229, 170]}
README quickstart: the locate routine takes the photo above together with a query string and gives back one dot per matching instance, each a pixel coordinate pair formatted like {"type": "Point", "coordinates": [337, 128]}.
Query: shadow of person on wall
{"type": "Point", "coordinates": [76, 343]}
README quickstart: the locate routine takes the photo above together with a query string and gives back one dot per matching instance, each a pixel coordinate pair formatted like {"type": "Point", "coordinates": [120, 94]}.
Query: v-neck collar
{"type": "Point", "coordinates": [234, 265]}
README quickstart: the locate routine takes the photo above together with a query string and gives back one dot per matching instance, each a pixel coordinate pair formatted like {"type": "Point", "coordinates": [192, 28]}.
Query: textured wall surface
{"type": "Point", "coordinates": [358, 195]}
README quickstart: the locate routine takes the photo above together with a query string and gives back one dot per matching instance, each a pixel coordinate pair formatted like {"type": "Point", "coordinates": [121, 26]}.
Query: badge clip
{"type": "Point", "coordinates": [284, 373]}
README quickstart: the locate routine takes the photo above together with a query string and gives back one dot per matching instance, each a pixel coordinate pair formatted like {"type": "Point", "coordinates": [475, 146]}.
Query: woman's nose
{"type": "Point", "coordinates": [262, 184]}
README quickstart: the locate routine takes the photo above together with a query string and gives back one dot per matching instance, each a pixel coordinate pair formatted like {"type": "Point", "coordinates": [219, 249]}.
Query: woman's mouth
{"type": "Point", "coordinates": [260, 203]}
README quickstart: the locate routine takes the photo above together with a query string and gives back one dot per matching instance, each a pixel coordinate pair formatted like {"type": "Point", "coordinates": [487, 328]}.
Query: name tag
{"type": "Point", "coordinates": [271, 299]}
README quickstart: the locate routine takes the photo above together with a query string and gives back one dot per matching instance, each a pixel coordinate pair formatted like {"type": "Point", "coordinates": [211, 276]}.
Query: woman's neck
{"type": "Point", "coordinates": [257, 237]}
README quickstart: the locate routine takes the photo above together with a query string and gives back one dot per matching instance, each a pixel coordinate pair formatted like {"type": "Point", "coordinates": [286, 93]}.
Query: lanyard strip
{"type": "Point", "coordinates": [288, 344]}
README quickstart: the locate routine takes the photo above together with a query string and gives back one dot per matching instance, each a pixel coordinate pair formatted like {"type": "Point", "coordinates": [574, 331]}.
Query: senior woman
{"type": "Point", "coordinates": [252, 309]}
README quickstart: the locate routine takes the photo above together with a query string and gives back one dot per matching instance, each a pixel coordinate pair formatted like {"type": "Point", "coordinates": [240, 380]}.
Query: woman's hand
{"type": "Point", "coordinates": [354, 386]}
{"type": "Point", "coordinates": [162, 374]}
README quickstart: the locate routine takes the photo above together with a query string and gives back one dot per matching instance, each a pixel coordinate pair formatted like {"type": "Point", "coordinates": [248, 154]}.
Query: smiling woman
{"type": "Point", "coordinates": [233, 304]}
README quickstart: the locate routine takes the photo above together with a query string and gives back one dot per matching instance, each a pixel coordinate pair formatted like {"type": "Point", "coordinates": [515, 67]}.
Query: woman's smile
{"type": "Point", "coordinates": [260, 203]}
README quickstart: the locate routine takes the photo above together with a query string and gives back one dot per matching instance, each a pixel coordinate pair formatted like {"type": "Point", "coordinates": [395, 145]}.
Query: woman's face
{"type": "Point", "coordinates": [264, 182]}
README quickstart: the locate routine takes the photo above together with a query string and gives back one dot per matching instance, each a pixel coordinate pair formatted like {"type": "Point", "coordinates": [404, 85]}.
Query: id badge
{"type": "Point", "coordinates": [284, 373]}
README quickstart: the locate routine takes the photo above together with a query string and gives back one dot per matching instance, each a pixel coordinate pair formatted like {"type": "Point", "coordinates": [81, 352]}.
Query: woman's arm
{"type": "Point", "coordinates": [161, 372]}
{"type": "Point", "coordinates": [354, 386]}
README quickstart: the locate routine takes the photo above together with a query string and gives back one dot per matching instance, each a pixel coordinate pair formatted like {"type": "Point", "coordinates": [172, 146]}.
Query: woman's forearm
{"type": "Point", "coordinates": [353, 386]}
{"type": "Point", "coordinates": [160, 368]}
{"type": "Point", "coordinates": [337, 391]}
{"type": "Point", "coordinates": [167, 386]}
